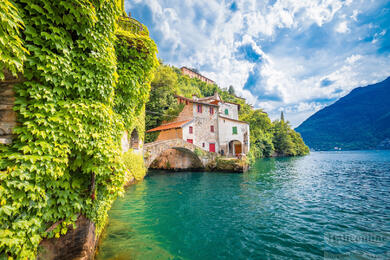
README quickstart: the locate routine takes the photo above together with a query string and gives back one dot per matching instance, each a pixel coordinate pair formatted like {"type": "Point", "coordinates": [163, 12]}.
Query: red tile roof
{"type": "Point", "coordinates": [235, 120]}
{"type": "Point", "coordinates": [195, 101]}
{"type": "Point", "coordinates": [169, 126]}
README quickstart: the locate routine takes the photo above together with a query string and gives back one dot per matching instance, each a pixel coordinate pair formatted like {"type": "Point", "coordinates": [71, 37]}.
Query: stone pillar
{"type": "Point", "coordinates": [7, 115]}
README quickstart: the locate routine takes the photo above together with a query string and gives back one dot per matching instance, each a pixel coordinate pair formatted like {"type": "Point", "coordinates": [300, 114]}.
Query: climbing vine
{"type": "Point", "coordinates": [12, 52]}
{"type": "Point", "coordinates": [84, 86]}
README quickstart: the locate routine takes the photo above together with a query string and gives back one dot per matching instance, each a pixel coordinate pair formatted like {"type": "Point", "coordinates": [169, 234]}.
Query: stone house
{"type": "Point", "coordinates": [209, 123]}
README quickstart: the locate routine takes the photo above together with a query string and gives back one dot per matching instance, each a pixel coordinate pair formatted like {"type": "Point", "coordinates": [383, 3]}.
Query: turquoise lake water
{"type": "Point", "coordinates": [326, 204]}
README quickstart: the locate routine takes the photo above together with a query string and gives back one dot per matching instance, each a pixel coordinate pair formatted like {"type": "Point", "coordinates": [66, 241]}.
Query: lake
{"type": "Point", "coordinates": [324, 205]}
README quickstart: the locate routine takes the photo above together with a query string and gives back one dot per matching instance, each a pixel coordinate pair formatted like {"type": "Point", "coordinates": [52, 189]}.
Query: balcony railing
{"type": "Point", "coordinates": [131, 25]}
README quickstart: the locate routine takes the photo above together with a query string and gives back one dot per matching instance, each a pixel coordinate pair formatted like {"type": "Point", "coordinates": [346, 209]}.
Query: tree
{"type": "Point", "coordinates": [162, 105]}
{"type": "Point", "coordinates": [231, 90]}
{"type": "Point", "coordinates": [282, 140]}
{"type": "Point", "coordinates": [195, 70]}
{"type": "Point", "coordinates": [260, 134]}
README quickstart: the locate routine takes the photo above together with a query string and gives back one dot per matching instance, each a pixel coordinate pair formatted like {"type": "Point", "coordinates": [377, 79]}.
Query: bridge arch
{"type": "Point", "coordinates": [186, 150]}
{"type": "Point", "coordinates": [177, 158]}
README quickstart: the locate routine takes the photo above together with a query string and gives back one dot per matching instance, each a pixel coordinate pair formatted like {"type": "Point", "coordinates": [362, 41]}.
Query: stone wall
{"type": "Point", "coordinates": [170, 134]}
{"type": "Point", "coordinates": [77, 244]}
{"type": "Point", "coordinates": [7, 115]}
{"type": "Point", "coordinates": [155, 149]}
{"type": "Point", "coordinates": [201, 124]}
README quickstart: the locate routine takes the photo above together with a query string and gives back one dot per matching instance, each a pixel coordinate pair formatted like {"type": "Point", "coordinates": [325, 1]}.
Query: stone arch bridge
{"type": "Point", "coordinates": [176, 154]}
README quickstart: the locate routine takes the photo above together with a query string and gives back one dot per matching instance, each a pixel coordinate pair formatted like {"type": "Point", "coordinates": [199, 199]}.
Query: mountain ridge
{"type": "Point", "coordinates": [359, 120]}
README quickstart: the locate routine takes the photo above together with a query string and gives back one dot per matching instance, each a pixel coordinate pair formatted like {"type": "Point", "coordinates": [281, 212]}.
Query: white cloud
{"type": "Point", "coordinates": [352, 59]}
{"type": "Point", "coordinates": [355, 14]}
{"type": "Point", "coordinates": [342, 27]}
{"type": "Point", "coordinates": [205, 34]}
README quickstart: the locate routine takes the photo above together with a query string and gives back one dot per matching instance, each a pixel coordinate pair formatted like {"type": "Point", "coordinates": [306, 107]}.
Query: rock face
{"type": "Point", "coordinates": [228, 165]}
{"type": "Point", "coordinates": [173, 159]}
{"type": "Point", "coordinates": [77, 244]}
{"type": "Point", "coordinates": [7, 115]}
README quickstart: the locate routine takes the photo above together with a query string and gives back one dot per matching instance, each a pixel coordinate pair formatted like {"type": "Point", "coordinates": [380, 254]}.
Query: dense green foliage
{"type": "Point", "coordinates": [267, 138]}
{"type": "Point", "coordinates": [360, 120]}
{"type": "Point", "coordinates": [162, 105]}
{"type": "Point", "coordinates": [286, 141]}
{"type": "Point", "coordinates": [84, 87]}
{"type": "Point", "coordinates": [260, 133]}
{"type": "Point", "coordinates": [12, 52]}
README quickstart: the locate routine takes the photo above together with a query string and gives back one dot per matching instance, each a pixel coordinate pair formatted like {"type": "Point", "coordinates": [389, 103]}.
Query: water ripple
{"type": "Point", "coordinates": [281, 209]}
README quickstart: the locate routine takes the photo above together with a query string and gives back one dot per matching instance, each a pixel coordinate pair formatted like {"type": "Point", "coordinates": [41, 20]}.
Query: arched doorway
{"type": "Point", "coordinates": [235, 148]}
{"type": "Point", "coordinates": [134, 140]}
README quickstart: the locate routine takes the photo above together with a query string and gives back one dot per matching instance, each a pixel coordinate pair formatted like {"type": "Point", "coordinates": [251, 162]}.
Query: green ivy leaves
{"type": "Point", "coordinates": [12, 51]}
{"type": "Point", "coordinates": [85, 84]}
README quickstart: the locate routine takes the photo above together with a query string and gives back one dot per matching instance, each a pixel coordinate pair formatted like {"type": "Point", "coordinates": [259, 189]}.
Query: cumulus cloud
{"type": "Point", "coordinates": [342, 27]}
{"type": "Point", "coordinates": [290, 55]}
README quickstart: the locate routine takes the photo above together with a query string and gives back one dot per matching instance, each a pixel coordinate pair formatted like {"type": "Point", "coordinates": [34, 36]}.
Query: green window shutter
{"type": "Point", "coordinates": [234, 130]}
{"type": "Point", "coordinates": [226, 111]}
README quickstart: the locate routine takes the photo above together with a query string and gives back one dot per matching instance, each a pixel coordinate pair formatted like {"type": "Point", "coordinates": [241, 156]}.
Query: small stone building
{"type": "Point", "coordinates": [209, 123]}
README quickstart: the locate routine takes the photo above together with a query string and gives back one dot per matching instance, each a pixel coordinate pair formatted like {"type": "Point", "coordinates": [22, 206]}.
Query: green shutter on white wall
{"type": "Point", "coordinates": [234, 130]}
{"type": "Point", "coordinates": [226, 111]}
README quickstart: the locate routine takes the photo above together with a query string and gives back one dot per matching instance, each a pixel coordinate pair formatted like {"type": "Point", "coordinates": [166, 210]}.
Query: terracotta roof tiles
{"type": "Point", "coordinates": [169, 126]}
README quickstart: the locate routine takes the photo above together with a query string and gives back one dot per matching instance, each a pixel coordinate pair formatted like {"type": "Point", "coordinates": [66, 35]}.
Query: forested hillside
{"type": "Point", "coordinates": [360, 120]}
{"type": "Point", "coordinates": [267, 138]}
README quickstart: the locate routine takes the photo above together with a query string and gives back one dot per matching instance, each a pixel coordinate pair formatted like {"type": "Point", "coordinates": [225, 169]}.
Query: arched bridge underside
{"type": "Point", "coordinates": [175, 154]}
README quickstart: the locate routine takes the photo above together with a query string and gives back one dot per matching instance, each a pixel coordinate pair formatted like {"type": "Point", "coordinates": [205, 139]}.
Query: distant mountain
{"type": "Point", "coordinates": [360, 120]}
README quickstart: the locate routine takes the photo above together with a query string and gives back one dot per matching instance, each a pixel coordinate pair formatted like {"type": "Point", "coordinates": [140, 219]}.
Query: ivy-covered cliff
{"type": "Point", "coordinates": [86, 74]}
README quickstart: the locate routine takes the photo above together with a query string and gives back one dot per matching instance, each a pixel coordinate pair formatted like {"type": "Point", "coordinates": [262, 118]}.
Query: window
{"type": "Point", "coordinates": [190, 129]}
{"type": "Point", "coordinates": [212, 128]}
{"type": "Point", "coordinates": [202, 144]}
{"type": "Point", "coordinates": [211, 111]}
{"type": "Point", "coordinates": [226, 111]}
{"type": "Point", "coordinates": [234, 130]}
{"type": "Point", "coordinates": [190, 141]}
{"type": "Point", "coordinates": [199, 108]}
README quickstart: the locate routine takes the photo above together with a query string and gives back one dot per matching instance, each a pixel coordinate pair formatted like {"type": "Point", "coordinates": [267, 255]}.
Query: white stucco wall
{"type": "Point", "coordinates": [226, 134]}
{"type": "Point", "coordinates": [232, 108]}
{"type": "Point", "coordinates": [186, 134]}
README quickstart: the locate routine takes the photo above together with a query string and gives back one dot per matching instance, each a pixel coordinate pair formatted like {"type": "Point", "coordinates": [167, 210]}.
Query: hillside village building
{"type": "Point", "coordinates": [193, 74]}
{"type": "Point", "coordinates": [211, 124]}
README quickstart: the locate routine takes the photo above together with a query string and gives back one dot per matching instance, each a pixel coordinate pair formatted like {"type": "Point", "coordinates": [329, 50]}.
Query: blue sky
{"type": "Point", "coordinates": [292, 55]}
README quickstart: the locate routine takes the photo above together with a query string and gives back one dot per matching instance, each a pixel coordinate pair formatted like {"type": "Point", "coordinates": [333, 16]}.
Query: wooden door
{"type": "Point", "coordinates": [212, 148]}
{"type": "Point", "coordinates": [237, 149]}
